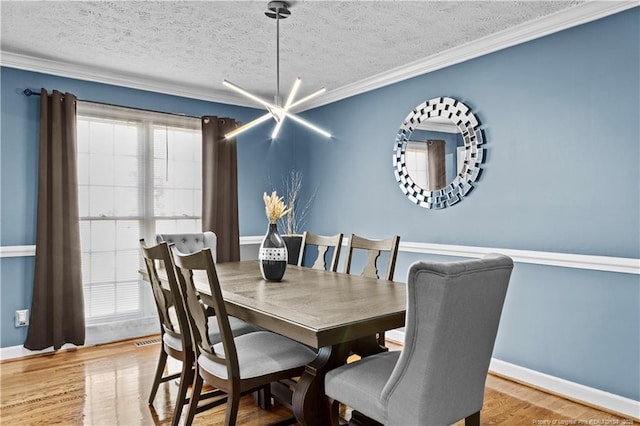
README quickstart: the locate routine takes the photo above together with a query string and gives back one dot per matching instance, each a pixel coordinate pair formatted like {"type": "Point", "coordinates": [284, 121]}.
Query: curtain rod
{"type": "Point", "coordinates": [29, 92]}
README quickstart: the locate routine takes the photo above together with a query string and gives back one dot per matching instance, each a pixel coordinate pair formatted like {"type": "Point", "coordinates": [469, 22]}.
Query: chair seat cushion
{"type": "Point", "coordinates": [360, 383]}
{"type": "Point", "coordinates": [259, 354]}
{"type": "Point", "coordinates": [238, 328]}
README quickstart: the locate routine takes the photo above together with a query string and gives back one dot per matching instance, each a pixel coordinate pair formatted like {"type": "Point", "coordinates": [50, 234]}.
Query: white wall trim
{"type": "Point", "coordinates": [100, 75]}
{"type": "Point", "coordinates": [568, 18]}
{"type": "Point", "coordinates": [17, 251]}
{"type": "Point", "coordinates": [20, 351]}
{"type": "Point", "coordinates": [395, 335]}
{"type": "Point", "coordinates": [579, 261]}
{"type": "Point", "coordinates": [253, 239]}
{"type": "Point", "coordinates": [623, 265]}
{"type": "Point", "coordinates": [578, 15]}
{"type": "Point", "coordinates": [570, 390]}
{"type": "Point", "coordinates": [96, 334]}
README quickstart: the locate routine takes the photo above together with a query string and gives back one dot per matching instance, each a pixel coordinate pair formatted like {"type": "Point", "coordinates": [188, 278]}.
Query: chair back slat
{"type": "Point", "coordinates": [371, 269]}
{"type": "Point", "coordinates": [373, 249]}
{"type": "Point", "coordinates": [196, 311]}
{"type": "Point", "coordinates": [323, 244]}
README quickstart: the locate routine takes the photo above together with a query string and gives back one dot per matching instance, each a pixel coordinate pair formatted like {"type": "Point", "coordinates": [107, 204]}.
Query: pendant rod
{"type": "Point", "coordinates": [278, 57]}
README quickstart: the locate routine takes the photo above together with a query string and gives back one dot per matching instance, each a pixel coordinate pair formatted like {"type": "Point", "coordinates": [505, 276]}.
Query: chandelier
{"type": "Point", "coordinates": [277, 10]}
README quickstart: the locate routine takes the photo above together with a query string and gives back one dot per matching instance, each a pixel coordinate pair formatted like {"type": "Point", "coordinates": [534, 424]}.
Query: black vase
{"type": "Point", "coordinates": [273, 255]}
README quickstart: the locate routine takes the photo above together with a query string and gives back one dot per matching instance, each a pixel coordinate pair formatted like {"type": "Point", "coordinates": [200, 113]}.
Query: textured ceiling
{"type": "Point", "coordinates": [198, 44]}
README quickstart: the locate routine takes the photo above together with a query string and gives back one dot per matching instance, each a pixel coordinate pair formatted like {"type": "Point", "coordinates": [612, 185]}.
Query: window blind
{"type": "Point", "coordinates": [139, 175]}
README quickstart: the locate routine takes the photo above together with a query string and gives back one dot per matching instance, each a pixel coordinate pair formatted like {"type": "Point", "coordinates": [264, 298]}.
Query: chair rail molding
{"type": "Point", "coordinates": [17, 251]}
{"type": "Point", "coordinates": [623, 265]}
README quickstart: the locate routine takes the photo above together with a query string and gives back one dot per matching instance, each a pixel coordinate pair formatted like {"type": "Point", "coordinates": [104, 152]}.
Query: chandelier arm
{"type": "Point", "coordinates": [276, 129]}
{"type": "Point", "coordinates": [292, 93]}
{"type": "Point", "coordinates": [247, 126]}
{"type": "Point", "coordinates": [311, 96]}
{"type": "Point", "coordinates": [307, 124]}
{"type": "Point", "coordinates": [242, 91]}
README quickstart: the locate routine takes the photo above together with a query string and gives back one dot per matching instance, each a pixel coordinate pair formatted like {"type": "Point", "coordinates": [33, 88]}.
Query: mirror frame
{"type": "Point", "coordinates": [469, 127]}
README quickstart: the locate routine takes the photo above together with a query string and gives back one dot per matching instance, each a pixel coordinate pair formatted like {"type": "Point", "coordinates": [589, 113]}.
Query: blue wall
{"type": "Point", "coordinates": [258, 160]}
{"type": "Point", "coordinates": [561, 121]}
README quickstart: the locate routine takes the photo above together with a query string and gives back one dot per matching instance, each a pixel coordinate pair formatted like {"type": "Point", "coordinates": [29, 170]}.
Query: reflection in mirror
{"type": "Point", "coordinates": [437, 155]}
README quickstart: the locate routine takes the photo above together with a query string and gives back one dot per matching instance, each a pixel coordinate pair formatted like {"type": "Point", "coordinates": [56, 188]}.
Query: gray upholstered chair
{"type": "Point", "coordinates": [191, 243]}
{"type": "Point", "coordinates": [176, 343]}
{"type": "Point", "coordinates": [237, 365]}
{"type": "Point", "coordinates": [323, 244]}
{"type": "Point", "coordinates": [453, 312]}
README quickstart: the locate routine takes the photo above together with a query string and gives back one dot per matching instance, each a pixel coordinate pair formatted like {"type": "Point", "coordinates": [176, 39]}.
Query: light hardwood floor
{"type": "Point", "coordinates": [109, 385]}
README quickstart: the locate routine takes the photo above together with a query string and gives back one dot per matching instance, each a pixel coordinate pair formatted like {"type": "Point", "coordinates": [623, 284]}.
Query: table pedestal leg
{"type": "Point", "coordinates": [367, 346]}
{"type": "Point", "coordinates": [309, 405]}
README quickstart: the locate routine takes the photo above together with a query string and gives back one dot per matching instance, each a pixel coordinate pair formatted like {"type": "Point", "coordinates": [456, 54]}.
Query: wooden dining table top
{"type": "Point", "coordinates": [315, 307]}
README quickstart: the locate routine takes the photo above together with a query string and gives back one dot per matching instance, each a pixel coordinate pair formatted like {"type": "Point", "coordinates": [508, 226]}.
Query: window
{"type": "Point", "coordinates": [139, 174]}
{"type": "Point", "coordinates": [417, 164]}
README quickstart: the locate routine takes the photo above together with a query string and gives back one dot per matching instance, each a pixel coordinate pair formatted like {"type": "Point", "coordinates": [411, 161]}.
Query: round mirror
{"type": "Point", "coordinates": [437, 153]}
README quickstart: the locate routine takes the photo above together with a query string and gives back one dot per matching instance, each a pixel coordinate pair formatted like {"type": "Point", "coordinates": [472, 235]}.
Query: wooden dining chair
{"type": "Point", "coordinates": [237, 365]}
{"type": "Point", "coordinates": [176, 343]}
{"type": "Point", "coordinates": [323, 244]}
{"type": "Point", "coordinates": [453, 313]}
{"type": "Point", "coordinates": [373, 249]}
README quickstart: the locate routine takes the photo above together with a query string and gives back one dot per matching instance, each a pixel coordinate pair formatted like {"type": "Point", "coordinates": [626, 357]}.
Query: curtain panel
{"type": "Point", "coordinates": [57, 306]}
{"type": "Point", "coordinates": [220, 186]}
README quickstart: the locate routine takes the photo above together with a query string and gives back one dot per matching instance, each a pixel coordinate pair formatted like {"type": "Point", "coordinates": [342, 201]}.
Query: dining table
{"type": "Point", "coordinates": [337, 314]}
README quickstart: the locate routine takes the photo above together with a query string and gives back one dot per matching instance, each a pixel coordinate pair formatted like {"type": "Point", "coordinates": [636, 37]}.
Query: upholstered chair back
{"type": "Point", "coordinates": [191, 243]}
{"type": "Point", "coordinates": [453, 314]}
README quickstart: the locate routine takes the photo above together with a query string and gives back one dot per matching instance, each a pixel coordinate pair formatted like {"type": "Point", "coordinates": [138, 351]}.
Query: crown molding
{"type": "Point", "coordinates": [100, 75]}
{"type": "Point", "coordinates": [568, 18]}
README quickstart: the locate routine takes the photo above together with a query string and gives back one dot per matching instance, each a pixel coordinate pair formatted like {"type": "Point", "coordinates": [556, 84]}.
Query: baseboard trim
{"type": "Point", "coordinates": [96, 334]}
{"type": "Point", "coordinates": [586, 395]}
{"type": "Point", "coordinates": [396, 336]}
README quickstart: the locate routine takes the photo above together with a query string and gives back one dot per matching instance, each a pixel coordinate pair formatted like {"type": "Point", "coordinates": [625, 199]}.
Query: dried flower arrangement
{"type": "Point", "coordinates": [274, 207]}
{"type": "Point", "coordinates": [295, 218]}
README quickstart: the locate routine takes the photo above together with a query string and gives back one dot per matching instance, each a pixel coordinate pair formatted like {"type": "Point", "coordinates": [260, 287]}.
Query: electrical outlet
{"type": "Point", "coordinates": [22, 318]}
